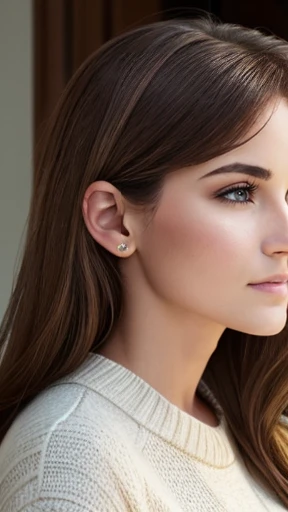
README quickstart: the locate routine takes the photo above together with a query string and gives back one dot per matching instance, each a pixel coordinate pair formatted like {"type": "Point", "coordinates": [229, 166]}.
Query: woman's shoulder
{"type": "Point", "coordinates": [64, 410]}
{"type": "Point", "coordinates": [78, 400]}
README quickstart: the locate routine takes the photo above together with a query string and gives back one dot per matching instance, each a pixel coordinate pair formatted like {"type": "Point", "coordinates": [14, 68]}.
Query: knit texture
{"type": "Point", "coordinates": [103, 440]}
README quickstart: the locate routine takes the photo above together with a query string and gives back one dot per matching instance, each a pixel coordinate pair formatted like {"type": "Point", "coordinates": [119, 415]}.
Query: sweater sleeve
{"type": "Point", "coordinates": [63, 506]}
{"type": "Point", "coordinates": [74, 474]}
{"type": "Point", "coordinates": [60, 492]}
{"type": "Point", "coordinates": [74, 465]}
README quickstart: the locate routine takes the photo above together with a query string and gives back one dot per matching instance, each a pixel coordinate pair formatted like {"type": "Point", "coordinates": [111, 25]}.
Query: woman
{"type": "Point", "coordinates": [144, 349]}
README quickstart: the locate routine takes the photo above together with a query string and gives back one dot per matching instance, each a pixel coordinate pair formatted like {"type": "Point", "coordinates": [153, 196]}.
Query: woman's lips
{"type": "Point", "coordinates": [276, 288]}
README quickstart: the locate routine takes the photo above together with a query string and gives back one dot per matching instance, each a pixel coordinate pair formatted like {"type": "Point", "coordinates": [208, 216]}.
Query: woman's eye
{"type": "Point", "coordinates": [240, 194]}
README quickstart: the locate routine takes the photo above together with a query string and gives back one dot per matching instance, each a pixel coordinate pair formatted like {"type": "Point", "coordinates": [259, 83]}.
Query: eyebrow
{"type": "Point", "coordinates": [241, 168]}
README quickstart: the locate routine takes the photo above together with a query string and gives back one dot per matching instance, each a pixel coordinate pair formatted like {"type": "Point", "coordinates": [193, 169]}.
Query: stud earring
{"type": "Point", "coordinates": [122, 247]}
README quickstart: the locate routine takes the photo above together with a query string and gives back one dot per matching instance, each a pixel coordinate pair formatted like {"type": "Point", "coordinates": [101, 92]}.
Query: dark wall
{"type": "Point", "coordinates": [271, 16]}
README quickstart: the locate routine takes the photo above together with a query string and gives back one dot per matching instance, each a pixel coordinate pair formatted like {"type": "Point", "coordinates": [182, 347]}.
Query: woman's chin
{"type": "Point", "coordinates": [267, 329]}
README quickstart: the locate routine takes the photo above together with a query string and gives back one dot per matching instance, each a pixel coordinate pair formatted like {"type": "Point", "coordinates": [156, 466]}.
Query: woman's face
{"type": "Point", "coordinates": [213, 235]}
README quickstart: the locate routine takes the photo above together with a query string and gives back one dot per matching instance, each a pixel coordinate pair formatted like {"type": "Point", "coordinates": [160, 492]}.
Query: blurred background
{"type": "Point", "coordinates": [42, 43]}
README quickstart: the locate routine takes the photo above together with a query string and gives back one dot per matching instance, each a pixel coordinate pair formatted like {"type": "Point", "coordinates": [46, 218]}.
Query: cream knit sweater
{"type": "Point", "coordinates": [103, 440]}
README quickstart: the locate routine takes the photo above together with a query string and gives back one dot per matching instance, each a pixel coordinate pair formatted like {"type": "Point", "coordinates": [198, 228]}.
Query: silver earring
{"type": "Point", "coordinates": [122, 247]}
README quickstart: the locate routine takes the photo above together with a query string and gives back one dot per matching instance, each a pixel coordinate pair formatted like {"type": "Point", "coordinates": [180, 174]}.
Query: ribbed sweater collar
{"type": "Point", "coordinates": [142, 403]}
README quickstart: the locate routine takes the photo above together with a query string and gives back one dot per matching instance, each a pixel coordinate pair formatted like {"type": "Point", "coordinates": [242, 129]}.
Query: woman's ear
{"type": "Point", "coordinates": [104, 215]}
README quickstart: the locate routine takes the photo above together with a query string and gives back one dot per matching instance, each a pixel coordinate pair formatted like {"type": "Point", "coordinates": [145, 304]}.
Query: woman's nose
{"type": "Point", "coordinates": [276, 238]}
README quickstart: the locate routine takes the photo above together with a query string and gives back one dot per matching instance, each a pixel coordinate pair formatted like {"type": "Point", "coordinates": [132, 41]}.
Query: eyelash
{"type": "Point", "coordinates": [250, 187]}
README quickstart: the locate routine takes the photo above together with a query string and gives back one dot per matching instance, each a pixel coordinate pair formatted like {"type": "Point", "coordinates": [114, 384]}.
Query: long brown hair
{"type": "Point", "coordinates": [161, 97]}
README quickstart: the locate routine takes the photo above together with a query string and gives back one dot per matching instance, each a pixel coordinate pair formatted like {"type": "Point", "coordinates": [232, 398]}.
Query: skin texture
{"type": "Point", "coordinates": [187, 271]}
